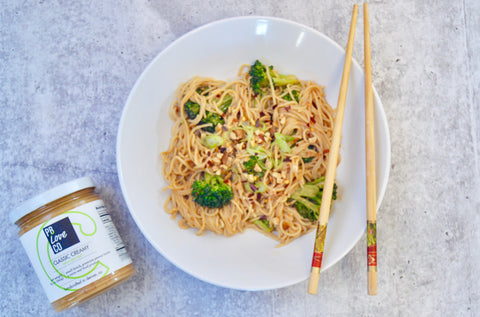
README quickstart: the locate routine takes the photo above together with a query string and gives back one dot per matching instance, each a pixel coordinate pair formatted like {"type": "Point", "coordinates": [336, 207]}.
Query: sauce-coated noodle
{"type": "Point", "coordinates": [299, 111]}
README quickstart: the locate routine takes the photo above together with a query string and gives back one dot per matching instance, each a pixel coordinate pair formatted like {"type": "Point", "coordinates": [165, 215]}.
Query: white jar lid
{"type": "Point", "coordinates": [50, 195]}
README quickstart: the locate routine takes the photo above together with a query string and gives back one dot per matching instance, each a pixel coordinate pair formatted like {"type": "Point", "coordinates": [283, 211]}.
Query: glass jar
{"type": "Point", "coordinates": [72, 243]}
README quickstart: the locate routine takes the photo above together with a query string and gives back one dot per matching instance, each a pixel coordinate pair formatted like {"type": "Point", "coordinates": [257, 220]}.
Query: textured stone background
{"type": "Point", "coordinates": [66, 68]}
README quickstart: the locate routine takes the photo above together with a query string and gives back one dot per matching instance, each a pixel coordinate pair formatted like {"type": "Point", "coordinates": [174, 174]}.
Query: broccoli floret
{"type": "Point", "coordinates": [264, 224]}
{"type": "Point", "coordinates": [295, 94]}
{"type": "Point", "coordinates": [211, 191]}
{"type": "Point", "coordinates": [309, 198]}
{"type": "Point", "coordinates": [213, 119]}
{"type": "Point", "coordinates": [259, 79]}
{"type": "Point", "coordinates": [250, 165]}
{"type": "Point", "coordinates": [191, 109]}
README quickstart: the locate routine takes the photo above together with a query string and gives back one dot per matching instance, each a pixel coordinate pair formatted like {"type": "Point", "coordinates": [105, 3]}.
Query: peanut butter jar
{"type": "Point", "coordinates": [72, 243]}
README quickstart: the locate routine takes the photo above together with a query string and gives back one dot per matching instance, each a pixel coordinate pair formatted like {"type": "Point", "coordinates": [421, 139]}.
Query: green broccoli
{"type": "Point", "coordinates": [259, 79]}
{"type": "Point", "coordinates": [309, 159]}
{"type": "Point", "coordinates": [213, 119]}
{"type": "Point", "coordinates": [309, 198]}
{"type": "Point", "coordinates": [295, 94]}
{"type": "Point", "coordinates": [250, 165]}
{"type": "Point", "coordinates": [264, 224]}
{"type": "Point", "coordinates": [192, 109]}
{"type": "Point", "coordinates": [211, 191]}
{"type": "Point", "coordinates": [226, 102]}
{"type": "Point", "coordinates": [200, 90]}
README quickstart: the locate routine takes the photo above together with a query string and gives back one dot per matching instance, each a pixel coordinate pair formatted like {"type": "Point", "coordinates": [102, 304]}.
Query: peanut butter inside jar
{"type": "Point", "coordinates": [72, 243]}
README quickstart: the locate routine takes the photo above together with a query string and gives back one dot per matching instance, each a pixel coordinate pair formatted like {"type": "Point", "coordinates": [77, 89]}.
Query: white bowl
{"type": "Point", "coordinates": [248, 261]}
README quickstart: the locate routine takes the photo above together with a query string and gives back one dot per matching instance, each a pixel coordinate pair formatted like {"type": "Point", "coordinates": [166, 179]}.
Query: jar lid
{"type": "Point", "coordinates": [50, 195]}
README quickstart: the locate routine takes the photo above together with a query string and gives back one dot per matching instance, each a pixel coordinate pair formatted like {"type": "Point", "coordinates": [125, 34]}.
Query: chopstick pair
{"type": "Point", "coordinates": [333, 159]}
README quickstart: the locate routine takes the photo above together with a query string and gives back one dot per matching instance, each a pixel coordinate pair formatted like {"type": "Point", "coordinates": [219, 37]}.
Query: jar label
{"type": "Point", "coordinates": [75, 249]}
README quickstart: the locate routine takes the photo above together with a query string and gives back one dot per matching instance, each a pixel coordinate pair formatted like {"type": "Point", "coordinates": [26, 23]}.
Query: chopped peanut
{"type": "Point", "coordinates": [239, 146]}
{"type": "Point", "coordinates": [268, 164]}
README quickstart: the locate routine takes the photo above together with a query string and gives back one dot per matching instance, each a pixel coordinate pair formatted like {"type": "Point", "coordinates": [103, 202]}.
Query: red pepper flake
{"type": "Point", "coordinates": [259, 196]}
{"type": "Point", "coordinates": [326, 151]}
{"type": "Point", "coordinates": [287, 108]}
{"type": "Point", "coordinates": [313, 120]}
{"type": "Point", "coordinates": [274, 107]}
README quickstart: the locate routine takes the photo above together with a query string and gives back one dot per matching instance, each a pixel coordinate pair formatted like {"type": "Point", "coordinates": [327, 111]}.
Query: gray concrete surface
{"type": "Point", "coordinates": [66, 68]}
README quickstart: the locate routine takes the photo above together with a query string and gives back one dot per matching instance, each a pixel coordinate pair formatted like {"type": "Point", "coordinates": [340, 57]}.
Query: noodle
{"type": "Point", "coordinates": [250, 124]}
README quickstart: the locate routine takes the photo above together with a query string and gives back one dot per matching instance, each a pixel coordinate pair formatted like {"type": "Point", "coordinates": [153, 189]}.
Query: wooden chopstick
{"type": "Point", "coordinates": [332, 163]}
{"type": "Point", "coordinates": [370, 162]}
